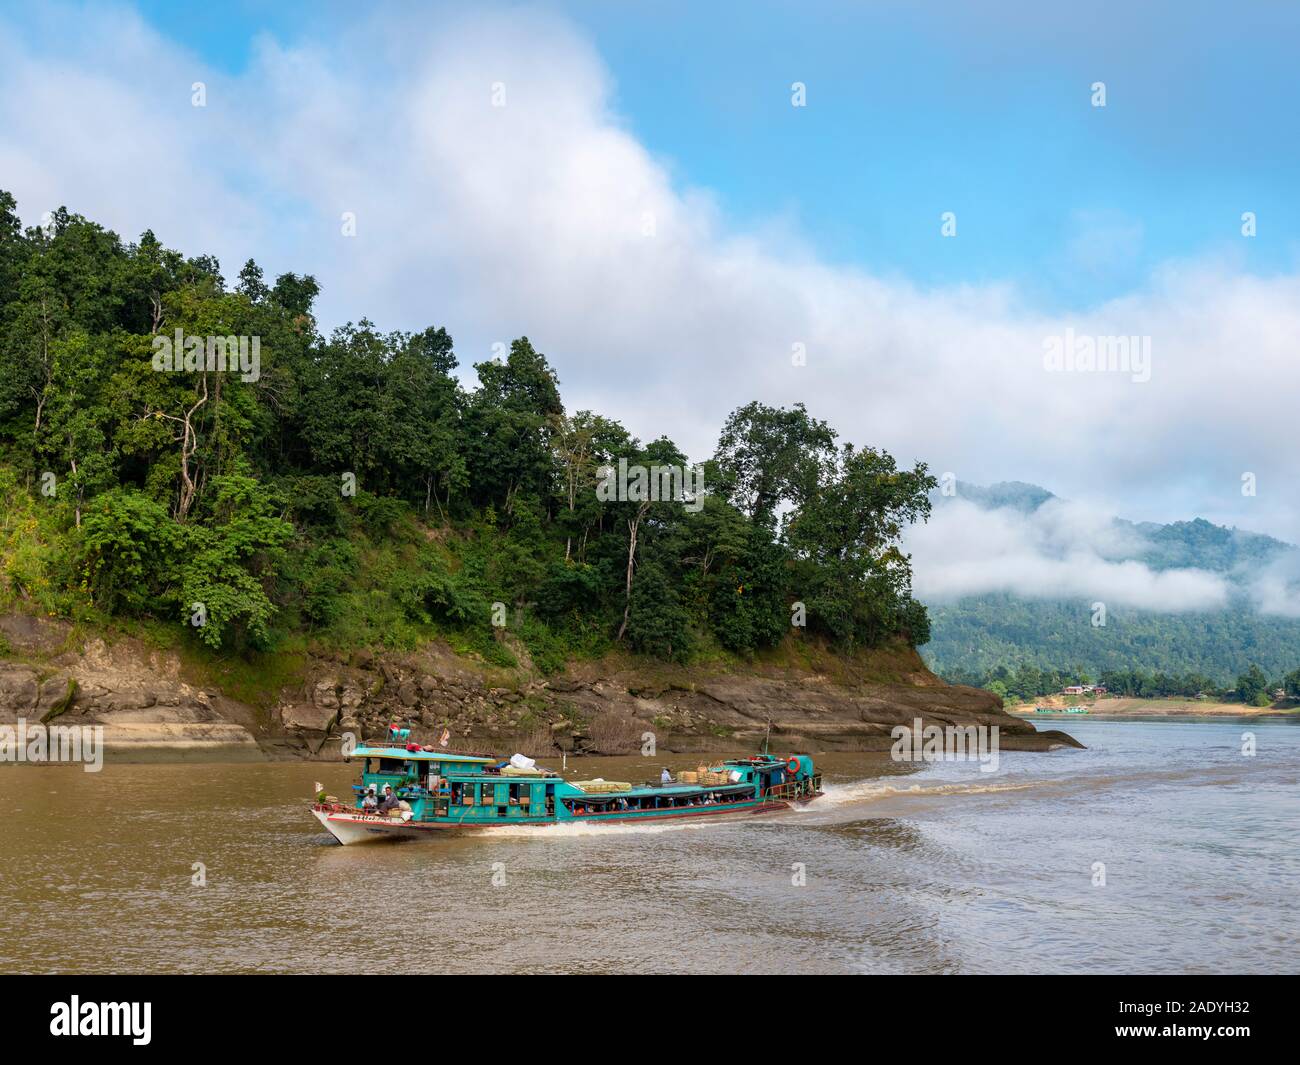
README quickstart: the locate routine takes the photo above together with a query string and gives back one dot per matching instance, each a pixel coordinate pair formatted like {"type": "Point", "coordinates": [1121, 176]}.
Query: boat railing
{"type": "Point", "coordinates": [342, 808]}
{"type": "Point", "coordinates": [801, 788]}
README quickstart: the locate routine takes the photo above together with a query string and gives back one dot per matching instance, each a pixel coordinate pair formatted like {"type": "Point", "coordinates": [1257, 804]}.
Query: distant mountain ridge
{"type": "Point", "coordinates": [979, 633]}
{"type": "Point", "coordinates": [1199, 544]}
{"type": "Point", "coordinates": [1017, 495]}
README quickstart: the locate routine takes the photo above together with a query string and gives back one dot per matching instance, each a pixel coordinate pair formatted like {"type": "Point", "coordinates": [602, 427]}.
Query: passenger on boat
{"type": "Point", "coordinates": [665, 777]}
{"type": "Point", "coordinates": [389, 801]}
{"type": "Point", "coordinates": [369, 801]}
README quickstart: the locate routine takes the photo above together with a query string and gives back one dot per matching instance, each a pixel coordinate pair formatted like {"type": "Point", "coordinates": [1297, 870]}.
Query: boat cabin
{"type": "Point", "coordinates": [449, 784]}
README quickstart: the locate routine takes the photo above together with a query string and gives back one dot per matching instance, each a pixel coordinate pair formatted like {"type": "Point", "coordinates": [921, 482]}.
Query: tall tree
{"type": "Point", "coordinates": [768, 456]}
{"type": "Point", "coordinates": [509, 423]}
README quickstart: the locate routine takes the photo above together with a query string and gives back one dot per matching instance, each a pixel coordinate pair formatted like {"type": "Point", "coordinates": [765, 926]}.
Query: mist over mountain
{"type": "Point", "coordinates": [1013, 574]}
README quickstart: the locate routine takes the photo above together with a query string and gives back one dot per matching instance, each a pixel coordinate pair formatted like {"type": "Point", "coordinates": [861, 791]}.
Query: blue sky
{"type": "Point", "coordinates": [915, 110]}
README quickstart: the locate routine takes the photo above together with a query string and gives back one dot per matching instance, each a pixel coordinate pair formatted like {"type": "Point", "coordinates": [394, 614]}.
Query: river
{"type": "Point", "coordinates": [941, 868]}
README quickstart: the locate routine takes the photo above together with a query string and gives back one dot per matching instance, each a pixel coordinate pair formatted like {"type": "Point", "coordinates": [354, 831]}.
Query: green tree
{"type": "Point", "coordinates": [769, 456]}
{"type": "Point", "coordinates": [229, 560]}
{"type": "Point", "coordinates": [128, 558]}
{"type": "Point", "coordinates": [845, 538]}
{"type": "Point", "coordinates": [1292, 684]}
{"type": "Point", "coordinates": [1252, 687]}
{"type": "Point", "coordinates": [509, 424]}
{"type": "Point", "coordinates": [422, 406]}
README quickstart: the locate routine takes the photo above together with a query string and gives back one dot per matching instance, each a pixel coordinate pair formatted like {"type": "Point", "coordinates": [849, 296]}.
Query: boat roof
{"type": "Point", "coordinates": [647, 790]}
{"type": "Point", "coordinates": [393, 751]}
{"type": "Point", "coordinates": [400, 752]}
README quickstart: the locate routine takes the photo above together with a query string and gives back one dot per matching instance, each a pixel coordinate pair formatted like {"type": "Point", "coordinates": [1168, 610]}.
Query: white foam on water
{"type": "Point", "coordinates": [865, 791]}
{"type": "Point", "coordinates": [578, 829]}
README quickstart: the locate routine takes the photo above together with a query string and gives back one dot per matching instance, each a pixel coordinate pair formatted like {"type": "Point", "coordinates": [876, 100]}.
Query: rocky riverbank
{"type": "Point", "coordinates": [152, 700]}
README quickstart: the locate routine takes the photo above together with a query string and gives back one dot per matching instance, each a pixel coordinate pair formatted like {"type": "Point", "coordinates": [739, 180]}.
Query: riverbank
{"type": "Point", "coordinates": [1123, 706]}
{"type": "Point", "coordinates": [809, 698]}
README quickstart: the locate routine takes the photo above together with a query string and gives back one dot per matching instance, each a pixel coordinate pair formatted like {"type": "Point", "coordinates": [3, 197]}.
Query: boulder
{"type": "Point", "coordinates": [307, 717]}
{"type": "Point", "coordinates": [19, 689]}
{"type": "Point", "coordinates": [325, 694]}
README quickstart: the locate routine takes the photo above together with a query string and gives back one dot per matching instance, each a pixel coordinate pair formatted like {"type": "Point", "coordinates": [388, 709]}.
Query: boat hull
{"type": "Point", "coordinates": [348, 827]}
{"type": "Point", "coordinates": [359, 828]}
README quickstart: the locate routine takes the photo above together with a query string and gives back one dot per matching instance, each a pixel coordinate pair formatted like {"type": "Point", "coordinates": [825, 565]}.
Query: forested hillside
{"type": "Point", "coordinates": [1000, 637]}
{"type": "Point", "coordinates": [346, 490]}
{"type": "Point", "coordinates": [1204, 651]}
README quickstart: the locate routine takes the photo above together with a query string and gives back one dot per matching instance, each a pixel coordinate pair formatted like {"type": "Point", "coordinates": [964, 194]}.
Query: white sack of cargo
{"type": "Point", "coordinates": [520, 762]}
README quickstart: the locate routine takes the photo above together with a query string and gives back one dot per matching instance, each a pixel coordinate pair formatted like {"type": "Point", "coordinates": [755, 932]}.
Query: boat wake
{"type": "Point", "coordinates": [578, 829]}
{"type": "Point", "coordinates": [845, 797]}
{"type": "Point", "coordinates": [865, 791]}
{"type": "Point", "coordinates": [840, 803]}
{"type": "Point", "coordinates": [850, 800]}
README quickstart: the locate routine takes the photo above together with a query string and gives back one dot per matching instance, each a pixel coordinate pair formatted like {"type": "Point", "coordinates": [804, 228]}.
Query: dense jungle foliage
{"type": "Point", "coordinates": [350, 490]}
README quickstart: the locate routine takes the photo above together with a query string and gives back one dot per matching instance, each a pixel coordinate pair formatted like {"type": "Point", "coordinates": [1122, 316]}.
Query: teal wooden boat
{"type": "Point", "coordinates": [438, 790]}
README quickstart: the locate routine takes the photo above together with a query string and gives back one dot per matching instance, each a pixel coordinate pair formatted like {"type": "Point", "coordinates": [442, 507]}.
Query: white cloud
{"type": "Point", "coordinates": [1275, 588]}
{"type": "Point", "coordinates": [531, 219]}
{"type": "Point", "coordinates": [1061, 550]}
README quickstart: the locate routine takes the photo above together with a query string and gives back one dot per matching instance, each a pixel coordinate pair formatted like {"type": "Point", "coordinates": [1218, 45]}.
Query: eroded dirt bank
{"type": "Point", "coordinates": [148, 699]}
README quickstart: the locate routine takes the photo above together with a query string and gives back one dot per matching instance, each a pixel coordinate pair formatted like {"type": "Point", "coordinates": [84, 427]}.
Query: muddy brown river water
{"type": "Point", "coordinates": [208, 867]}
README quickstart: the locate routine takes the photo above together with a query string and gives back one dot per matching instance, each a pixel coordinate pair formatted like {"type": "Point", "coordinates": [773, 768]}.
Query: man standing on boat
{"type": "Point", "coordinates": [665, 777]}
